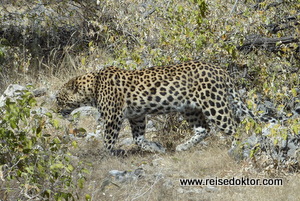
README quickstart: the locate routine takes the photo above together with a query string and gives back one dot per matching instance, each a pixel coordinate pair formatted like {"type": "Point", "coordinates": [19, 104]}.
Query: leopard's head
{"type": "Point", "coordinates": [72, 95]}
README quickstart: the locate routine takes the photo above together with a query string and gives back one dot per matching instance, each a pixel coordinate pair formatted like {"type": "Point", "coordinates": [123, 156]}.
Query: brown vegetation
{"type": "Point", "coordinates": [49, 42]}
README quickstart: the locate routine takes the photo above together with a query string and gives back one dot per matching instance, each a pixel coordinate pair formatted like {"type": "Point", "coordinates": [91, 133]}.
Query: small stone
{"type": "Point", "coordinates": [127, 142]}
{"type": "Point", "coordinates": [87, 111]}
{"type": "Point", "coordinates": [211, 189]}
{"type": "Point", "coordinates": [39, 92]}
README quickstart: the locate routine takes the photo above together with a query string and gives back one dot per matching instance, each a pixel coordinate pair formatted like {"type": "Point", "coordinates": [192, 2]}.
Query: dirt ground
{"type": "Point", "coordinates": [161, 173]}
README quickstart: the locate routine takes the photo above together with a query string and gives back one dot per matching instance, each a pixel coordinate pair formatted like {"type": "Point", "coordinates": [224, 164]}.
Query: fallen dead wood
{"type": "Point", "coordinates": [269, 44]}
{"type": "Point", "coordinates": [289, 22]}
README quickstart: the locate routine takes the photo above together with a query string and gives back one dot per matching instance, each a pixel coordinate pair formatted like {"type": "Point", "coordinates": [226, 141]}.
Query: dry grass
{"type": "Point", "coordinates": [163, 171]}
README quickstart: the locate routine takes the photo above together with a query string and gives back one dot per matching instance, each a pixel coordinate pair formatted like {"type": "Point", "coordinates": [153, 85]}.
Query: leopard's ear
{"type": "Point", "coordinates": [72, 85]}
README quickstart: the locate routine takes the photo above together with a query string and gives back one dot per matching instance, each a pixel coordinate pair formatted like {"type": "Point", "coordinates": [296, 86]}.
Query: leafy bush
{"type": "Point", "coordinates": [38, 162]}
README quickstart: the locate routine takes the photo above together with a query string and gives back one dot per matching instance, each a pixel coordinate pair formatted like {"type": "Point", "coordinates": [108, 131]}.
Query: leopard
{"type": "Point", "coordinates": [203, 93]}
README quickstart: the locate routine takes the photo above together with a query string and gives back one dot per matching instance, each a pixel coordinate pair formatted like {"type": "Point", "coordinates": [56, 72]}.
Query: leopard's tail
{"type": "Point", "coordinates": [240, 110]}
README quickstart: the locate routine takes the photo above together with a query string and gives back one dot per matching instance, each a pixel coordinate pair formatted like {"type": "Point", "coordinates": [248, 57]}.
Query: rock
{"type": "Point", "coordinates": [275, 144]}
{"type": "Point", "coordinates": [86, 111]}
{"type": "Point", "coordinates": [168, 184]}
{"type": "Point", "coordinates": [41, 111]}
{"type": "Point", "coordinates": [52, 96]}
{"type": "Point", "coordinates": [92, 136]}
{"type": "Point", "coordinates": [117, 173]}
{"type": "Point", "coordinates": [190, 190]}
{"type": "Point", "coordinates": [126, 176]}
{"type": "Point", "coordinates": [292, 149]}
{"type": "Point", "coordinates": [99, 130]}
{"type": "Point", "coordinates": [157, 161]}
{"type": "Point", "coordinates": [150, 126]}
{"type": "Point", "coordinates": [243, 150]}
{"type": "Point", "coordinates": [13, 91]}
{"type": "Point", "coordinates": [127, 142]}
{"type": "Point", "coordinates": [211, 189]}
{"type": "Point", "coordinates": [39, 92]}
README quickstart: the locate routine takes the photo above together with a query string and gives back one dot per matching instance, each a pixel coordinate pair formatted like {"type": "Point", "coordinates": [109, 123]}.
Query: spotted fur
{"type": "Point", "coordinates": [203, 93]}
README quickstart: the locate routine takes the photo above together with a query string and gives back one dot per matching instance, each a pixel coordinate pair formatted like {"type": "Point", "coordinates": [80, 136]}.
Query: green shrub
{"type": "Point", "coordinates": [39, 162]}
